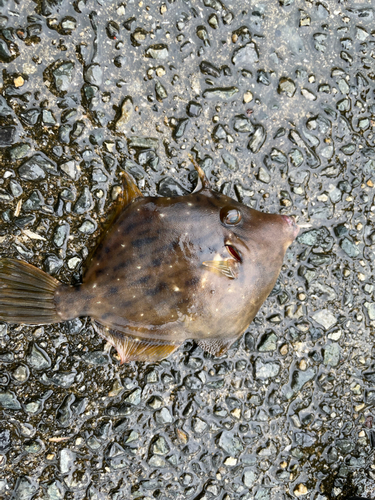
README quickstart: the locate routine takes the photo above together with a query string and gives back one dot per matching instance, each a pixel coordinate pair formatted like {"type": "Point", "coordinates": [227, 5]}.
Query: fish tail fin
{"type": "Point", "coordinates": [27, 294]}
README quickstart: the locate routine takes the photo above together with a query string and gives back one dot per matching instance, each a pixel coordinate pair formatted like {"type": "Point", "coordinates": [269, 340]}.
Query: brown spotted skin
{"type": "Point", "coordinates": [147, 278]}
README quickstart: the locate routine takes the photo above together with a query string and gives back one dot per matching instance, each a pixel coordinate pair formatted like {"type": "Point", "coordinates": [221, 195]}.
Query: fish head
{"type": "Point", "coordinates": [241, 259]}
{"type": "Point", "coordinates": [271, 232]}
{"type": "Point", "coordinates": [255, 241]}
{"type": "Point", "coordinates": [255, 238]}
{"type": "Point", "coordinates": [253, 245]}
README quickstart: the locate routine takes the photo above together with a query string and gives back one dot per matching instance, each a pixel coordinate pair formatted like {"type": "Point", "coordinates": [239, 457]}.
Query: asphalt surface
{"type": "Point", "coordinates": [276, 101]}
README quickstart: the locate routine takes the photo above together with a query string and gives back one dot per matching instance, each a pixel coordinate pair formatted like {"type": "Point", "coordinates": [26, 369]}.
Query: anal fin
{"type": "Point", "coordinates": [132, 349]}
{"type": "Point", "coordinates": [216, 347]}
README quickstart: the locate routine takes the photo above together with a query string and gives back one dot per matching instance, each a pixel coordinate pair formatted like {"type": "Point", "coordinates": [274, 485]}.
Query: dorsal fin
{"type": "Point", "coordinates": [202, 179]}
{"type": "Point", "coordinates": [132, 349]}
{"type": "Point", "coordinates": [129, 193]}
{"type": "Point", "coordinates": [130, 190]}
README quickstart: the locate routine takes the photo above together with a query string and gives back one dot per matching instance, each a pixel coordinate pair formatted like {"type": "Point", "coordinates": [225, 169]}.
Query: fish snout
{"type": "Point", "coordinates": [291, 225]}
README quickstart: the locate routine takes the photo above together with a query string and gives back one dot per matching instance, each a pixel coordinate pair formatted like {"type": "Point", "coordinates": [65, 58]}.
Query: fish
{"type": "Point", "coordinates": [167, 269]}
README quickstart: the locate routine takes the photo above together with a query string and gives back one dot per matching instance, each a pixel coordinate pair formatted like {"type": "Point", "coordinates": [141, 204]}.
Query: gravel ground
{"type": "Point", "coordinates": [276, 100]}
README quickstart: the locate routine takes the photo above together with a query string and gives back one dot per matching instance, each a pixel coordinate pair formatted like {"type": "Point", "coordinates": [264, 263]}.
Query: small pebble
{"type": "Point", "coordinates": [300, 490]}
{"type": "Point", "coordinates": [247, 97]}
{"type": "Point", "coordinates": [303, 365]}
{"type": "Point", "coordinates": [18, 82]}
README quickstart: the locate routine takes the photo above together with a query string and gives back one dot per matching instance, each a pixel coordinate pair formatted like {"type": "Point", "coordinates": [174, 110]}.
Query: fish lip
{"type": "Point", "coordinates": [290, 221]}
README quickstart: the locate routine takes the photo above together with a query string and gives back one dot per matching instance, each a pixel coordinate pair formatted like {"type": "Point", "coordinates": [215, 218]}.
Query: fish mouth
{"type": "Point", "coordinates": [234, 252]}
{"type": "Point", "coordinates": [290, 221]}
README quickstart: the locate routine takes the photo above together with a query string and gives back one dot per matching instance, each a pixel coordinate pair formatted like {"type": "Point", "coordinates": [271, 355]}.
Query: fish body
{"type": "Point", "coordinates": [168, 269]}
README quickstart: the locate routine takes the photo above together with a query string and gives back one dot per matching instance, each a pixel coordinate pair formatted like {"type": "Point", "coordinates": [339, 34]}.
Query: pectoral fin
{"type": "Point", "coordinates": [228, 267]}
{"type": "Point", "coordinates": [131, 349]}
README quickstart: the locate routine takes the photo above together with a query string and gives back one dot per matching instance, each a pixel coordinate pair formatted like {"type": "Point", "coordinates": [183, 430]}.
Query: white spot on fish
{"type": "Point", "coordinates": [94, 285]}
{"type": "Point", "coordinates": [176, 289]}
{"type": "Point", "coordinates": [139, 267]}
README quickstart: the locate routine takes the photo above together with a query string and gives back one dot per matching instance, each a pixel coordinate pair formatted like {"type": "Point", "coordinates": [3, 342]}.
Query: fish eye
{"type": "Point", "coordinates": [230, 216]}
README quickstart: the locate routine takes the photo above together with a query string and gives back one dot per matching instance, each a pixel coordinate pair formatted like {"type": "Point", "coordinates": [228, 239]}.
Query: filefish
{"type": "Point", "coordinates": [197, 266]}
